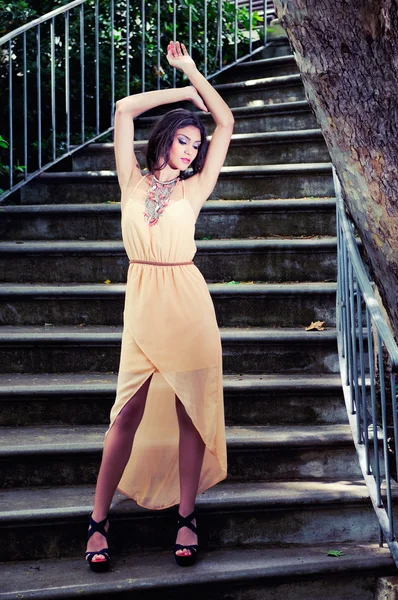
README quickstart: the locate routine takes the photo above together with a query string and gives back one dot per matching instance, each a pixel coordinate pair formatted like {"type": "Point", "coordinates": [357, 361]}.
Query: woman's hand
{"type": "Point", "coordinates": [178, 57]}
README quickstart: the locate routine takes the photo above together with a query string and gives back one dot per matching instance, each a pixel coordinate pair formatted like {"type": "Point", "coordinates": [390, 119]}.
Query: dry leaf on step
{"type": "Point", "coordinates": [316, 326]}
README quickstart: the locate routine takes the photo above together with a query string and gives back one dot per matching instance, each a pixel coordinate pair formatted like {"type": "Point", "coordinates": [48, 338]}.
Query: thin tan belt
{"type": "Point", "coordinates": [160, 264]}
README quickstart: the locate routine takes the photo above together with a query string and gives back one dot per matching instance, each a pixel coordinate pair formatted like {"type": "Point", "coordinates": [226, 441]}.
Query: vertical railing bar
{"type": "Point", "coordinates": [348, 329]}
{"type": "Point", "coordinates": [265, 22]}
{"type": "Point", "coordinates": [174, 38]}
{"type": "Point", "coordinates": [127, 47]}
{"type": "Point", "coordinates": [344, 318]}
{"type": "Point", "coordinates": [205, 36]}
{"type": "Point", "coordinates": [220, 14]}
{"type": "Point", "coordinates": [385, 434]}
{"type": "Point", "coordinates": [236, 31]}
{"type": "Point", "coordinates": [82, 102]}
{"type": "Point", "coordinates": [381, 537]}
{"type": "Point", "coordinates": [53, 113]}
{"type": "Point", "coordinates": [10, 121]}
{"type": "Point", "coordinates": [362, 372]}
{"type": "Point", "coordinates": [97, 59]}
{"type": "Point", "coordinates": [190, 29]}
{"type": "Point", "coordinates": [354, 372]}
{"type": "Point", "coordinates": [376, 468]}
{"type": "Point", "coordinates": [250, 26]}
{"type": "Point", "coordinates": [67, 78]}
{"type": "Point", "coordinates": [38, 80]}
{"type": "Point", "coordinates": [339, 301]}
{"type": "Point", "coordinates": [143, 25]}
{"type": "Point", "coordinates": [25, 110]}
{"type": "Point", "coordinates": [395, 418]}
{"type": "Point", "coordinates": [112, 9]}
{"type": "Point", "coordinates": [158, 42]}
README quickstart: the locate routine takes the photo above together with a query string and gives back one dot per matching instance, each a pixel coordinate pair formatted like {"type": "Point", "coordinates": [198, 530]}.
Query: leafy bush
{"type": "Point", "coordinates": [14, 14]}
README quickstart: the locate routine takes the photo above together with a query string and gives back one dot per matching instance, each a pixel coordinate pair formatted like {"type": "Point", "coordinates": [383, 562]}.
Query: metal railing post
{"type": "Point", "coordinates": [351, 280]}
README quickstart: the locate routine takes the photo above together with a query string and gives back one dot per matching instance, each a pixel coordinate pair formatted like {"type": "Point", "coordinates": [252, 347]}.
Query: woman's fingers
{"type": "Point", "coordinates": [177, 50]}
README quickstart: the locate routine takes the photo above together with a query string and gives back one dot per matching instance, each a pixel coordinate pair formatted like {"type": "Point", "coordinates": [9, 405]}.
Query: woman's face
{"type": "Point", "coordinates": [184, 148]}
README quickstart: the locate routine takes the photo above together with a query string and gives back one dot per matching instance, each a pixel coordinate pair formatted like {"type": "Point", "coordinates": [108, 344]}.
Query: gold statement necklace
{"type": "Point", "coordinates": [157, 198]}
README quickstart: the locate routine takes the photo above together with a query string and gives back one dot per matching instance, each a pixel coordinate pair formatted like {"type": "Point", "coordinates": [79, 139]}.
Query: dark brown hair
{"type": "Point", "coordinates": [162, 137]}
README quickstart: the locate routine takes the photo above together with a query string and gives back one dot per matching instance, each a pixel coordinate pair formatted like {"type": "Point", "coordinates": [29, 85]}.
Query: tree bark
{"type": "Point", "coordinates": [347, 52]}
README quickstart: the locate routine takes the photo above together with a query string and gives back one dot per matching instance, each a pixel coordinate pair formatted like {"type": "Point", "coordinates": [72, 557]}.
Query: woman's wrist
{"type": "Point", "coordinates": [190, 70]}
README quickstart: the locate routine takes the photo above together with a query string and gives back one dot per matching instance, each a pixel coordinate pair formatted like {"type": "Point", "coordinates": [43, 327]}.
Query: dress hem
{"type": "Point", "coordinates": [174, 503]}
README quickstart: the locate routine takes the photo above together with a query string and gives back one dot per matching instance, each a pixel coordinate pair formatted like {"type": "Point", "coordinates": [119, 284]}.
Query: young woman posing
{"type": "Point", "coordinates": [166, 439]}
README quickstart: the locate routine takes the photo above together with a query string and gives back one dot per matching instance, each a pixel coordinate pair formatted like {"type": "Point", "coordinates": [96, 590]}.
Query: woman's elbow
{"type": "Point", "coordinates": [227, 122]}
{"type": "Point", "coordinates": [123, 106]}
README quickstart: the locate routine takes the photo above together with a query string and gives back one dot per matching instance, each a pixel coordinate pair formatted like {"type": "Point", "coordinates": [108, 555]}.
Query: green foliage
{"type": "Point", "coordinates": [335, 553]}
{"type": "Point", "coordinates": [111, 79]}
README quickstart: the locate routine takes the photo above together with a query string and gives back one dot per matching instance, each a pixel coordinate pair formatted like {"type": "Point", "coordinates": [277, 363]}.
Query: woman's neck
{"type": "Point", "coordinates": [167, 174]}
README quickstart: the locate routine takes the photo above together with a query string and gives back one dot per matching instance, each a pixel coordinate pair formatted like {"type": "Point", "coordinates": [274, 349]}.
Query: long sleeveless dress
{"type": "Point", "coordinates": [170, 333]}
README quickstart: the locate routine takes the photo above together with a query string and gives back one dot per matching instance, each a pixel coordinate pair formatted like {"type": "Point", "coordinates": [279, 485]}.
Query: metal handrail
{"type": "Point", "coordinates": [360, 321]}
{"type": "Point", "coordinates": [10, 41]}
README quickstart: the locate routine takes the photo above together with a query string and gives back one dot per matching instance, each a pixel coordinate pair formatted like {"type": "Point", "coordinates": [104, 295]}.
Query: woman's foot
{"type": "Point", "coordinates": [186, 547]}
{"type": "Point", "coordinates": [186, 537]}
{"type": "Point", "coordinates": [97, 554]}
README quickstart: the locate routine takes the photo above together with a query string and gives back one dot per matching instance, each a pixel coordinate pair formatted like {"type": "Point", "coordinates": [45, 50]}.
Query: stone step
{"type": "Point", "coordinates": [304, 146]}
{"type": "Point", "coordinates": [284, 88]}
{"type": "Point", "coordinates": [277, 45]}
{"type": "Point", "coordinates": [63, 456]}
{"type": "Point", "coordinates": [255, 182]}
{"type": "Point", "coordinates": [284, 116]}
{"type": "Point", "coordinates": [260, 67]}
{"type": "Point", "coordinates": [218, 219]}
{"type": "Point", "coordinates": [260, 260]}
{"type": "Point", "coordinates": [230, 514]}
{"type": "Point", "coordinates": [248, 350]}
{"type": "Point", "coordinates": [86, 399]}
{"type": "Point", "coordinates": [291, 573]}
{"type": "Point", "coordinates": [237, 305]}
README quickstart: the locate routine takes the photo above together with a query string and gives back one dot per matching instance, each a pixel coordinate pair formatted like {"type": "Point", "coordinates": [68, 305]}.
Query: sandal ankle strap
{"type": "Point", "coordinates": [97, 527]}
{"type": "Point", "coordinates": [186, 522]}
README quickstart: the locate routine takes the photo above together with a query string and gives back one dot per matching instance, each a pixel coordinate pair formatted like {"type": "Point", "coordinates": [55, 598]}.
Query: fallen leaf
{"type": "Point", "coordinates": [336, 553]}
{"type": "Point", "coordinates": [107, 281]}
{"type": "Point", "coordinates": [316, 326]}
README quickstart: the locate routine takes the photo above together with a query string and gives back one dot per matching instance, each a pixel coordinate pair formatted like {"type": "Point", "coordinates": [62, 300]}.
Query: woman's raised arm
{"type": "Point", "coordinates": [128, 169]}
{"type": "Point", "coordinates": [178, 57]}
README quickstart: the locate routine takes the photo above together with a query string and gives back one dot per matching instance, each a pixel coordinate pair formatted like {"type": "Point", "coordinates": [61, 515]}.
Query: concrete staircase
{"type": "Point", "coordinates": [266, 245]}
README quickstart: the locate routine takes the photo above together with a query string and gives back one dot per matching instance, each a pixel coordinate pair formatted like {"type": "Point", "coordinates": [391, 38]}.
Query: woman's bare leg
{"type": "Point", "coordinates": [117, 450]}
{"type": "Point", "coordinates": [191, 451]}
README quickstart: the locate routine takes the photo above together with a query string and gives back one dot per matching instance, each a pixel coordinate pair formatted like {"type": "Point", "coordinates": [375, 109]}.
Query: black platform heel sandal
{"type": "Point", "coordinates": [186, 561]}
{"type": "Point", "coordinates": [98, 566]}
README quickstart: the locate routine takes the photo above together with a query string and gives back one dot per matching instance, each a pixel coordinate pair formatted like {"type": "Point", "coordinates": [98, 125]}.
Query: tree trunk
{"type": "Point", "coordinates": [347, 53]}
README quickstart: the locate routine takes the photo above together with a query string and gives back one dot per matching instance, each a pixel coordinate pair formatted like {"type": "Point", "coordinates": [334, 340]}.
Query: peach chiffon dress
{"type": "Point", "coordinates": [170, 333]}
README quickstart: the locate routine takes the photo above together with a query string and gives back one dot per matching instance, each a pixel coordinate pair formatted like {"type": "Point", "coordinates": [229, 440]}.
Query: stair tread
{"type": "Point", "coordinates": [266, 136]}
{"type": "Point", "coordinates": [33, 334]}
{"type": "Point", "coordinates": [31, 504]}
{"type": "Point", "coordinates": [210, 205]}
{"type": "Point", "coordinates": [145, 571]}
{"type": "Point", "coordinates": [115, 289]}
{"type": "Point", "coordinates": [274, 60]}
{"type": "Point", "coordinates": [249, 170]}
{"type": "Point", "coordinates": [241, 111]}
{"type": "Point", "coordinates": [17, 384]}
{"type": "Point", "coordinates": [17, 441]}
{"type": "Point", "coordinates": [272, 81]}
{"type": "Point", "coordinates": [58, 246]}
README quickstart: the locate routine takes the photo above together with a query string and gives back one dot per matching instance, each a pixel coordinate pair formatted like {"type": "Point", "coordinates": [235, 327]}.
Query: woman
{"type": "Point", "coordinates": [169, 393]}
